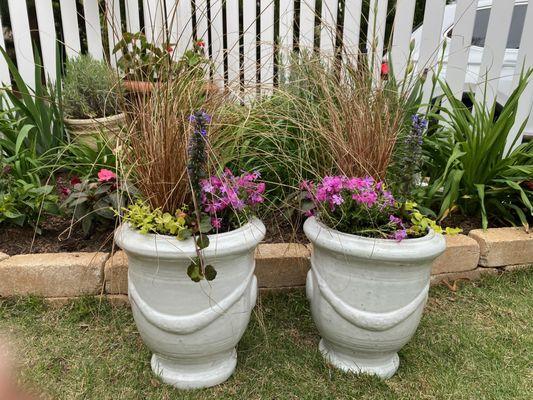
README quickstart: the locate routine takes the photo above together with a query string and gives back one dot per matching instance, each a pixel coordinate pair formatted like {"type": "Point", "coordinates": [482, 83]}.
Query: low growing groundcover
{"type": "Point", "coordinates": [473, 343]}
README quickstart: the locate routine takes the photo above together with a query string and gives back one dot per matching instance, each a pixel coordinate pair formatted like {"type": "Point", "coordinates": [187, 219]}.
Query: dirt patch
{"type": "Point", "coordinates": [467, 223]}
{"type": "Point", "coordinates": [54, 238]}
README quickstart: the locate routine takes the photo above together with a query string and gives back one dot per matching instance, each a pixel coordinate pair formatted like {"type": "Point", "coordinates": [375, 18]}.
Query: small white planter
{"type": "Point", "coordinates": [367, 295]}
{"type": "Point", "coordinates": [192, 328]}
{"type": "Point", "coordinates": [87, 130]}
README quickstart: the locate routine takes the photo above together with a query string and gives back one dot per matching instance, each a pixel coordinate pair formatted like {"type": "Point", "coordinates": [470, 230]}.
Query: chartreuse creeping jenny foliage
{"type": "Point", "coordinates": [140, 216]}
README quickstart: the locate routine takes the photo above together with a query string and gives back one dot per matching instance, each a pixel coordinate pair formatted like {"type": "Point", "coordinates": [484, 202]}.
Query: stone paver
{"type": "Point", "coordinates": [500, 247]}
{"type": "Point", "coordinates": [52, 274]}
{"type": "Point", "coordinates": [281, 264]}
{"type": "Point", "coordinates": [462, 254]}
{"type": "Point", "coordinates": [116, 274]}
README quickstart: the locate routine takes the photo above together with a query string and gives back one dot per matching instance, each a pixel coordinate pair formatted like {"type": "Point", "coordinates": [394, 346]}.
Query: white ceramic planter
{"type": "Point", "coordinates": [367, 295]}
{"type": "Point", "coordinates": [192, 328]}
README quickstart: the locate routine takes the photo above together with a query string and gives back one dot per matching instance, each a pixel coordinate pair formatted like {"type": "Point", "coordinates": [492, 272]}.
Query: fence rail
{"type": "Point", "coordinates": [249, 41]}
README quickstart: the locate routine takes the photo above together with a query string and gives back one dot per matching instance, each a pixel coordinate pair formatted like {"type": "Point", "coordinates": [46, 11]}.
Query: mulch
{"type": "Point", "coordinates": [56, 237]}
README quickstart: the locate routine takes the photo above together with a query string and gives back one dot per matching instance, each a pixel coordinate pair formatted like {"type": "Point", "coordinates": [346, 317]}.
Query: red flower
{"type": "Point", "coordinates": [105, 175]}
{"type": "Point", "coordinates": [200, 43]}
{"type": "Point", "coordinates": [75, 180]}
{"type": "Point", "coordinates": [528, 185]}
{"type": "Point", "coordinates": [384, 68]}
{"type": "Point", "coordinates": [170, 49]}
{"type": "Point", "coordinates": [65, 191]}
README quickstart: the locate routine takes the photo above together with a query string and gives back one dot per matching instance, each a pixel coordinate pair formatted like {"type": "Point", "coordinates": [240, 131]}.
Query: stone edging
{"type": "Point", "coordinates": [61, 276]}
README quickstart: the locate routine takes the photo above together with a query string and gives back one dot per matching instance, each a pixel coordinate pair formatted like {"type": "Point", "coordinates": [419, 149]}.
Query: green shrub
{"type": "Point", "coordinates": [24, 202]}
{"type": "Point", "coordinates": [469, 169]}
{"type": "Point", "coordinates": [90, 89]}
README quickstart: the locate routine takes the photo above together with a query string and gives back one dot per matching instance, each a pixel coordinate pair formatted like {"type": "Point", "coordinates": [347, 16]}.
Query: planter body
{"type": "Point", "coordinates": [191, 328]}
{"type": "Point", "coordinates": [367, 295]}
{"type": "Point", "coordinates": [87, 130]}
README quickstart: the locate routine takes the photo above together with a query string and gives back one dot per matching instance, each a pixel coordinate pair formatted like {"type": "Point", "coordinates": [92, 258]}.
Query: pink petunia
{"type": "Point", "coordinates": [105, 175]}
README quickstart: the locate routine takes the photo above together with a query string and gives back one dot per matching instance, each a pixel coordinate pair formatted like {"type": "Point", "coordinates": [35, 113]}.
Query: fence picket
{"type": "Point", "coordinates": [232, 39]}
{"type": "Point", "coordinates": [133, 23]}
{"type": "Point", "coordinates": [47, 37]}
{"type": "Point", "coordinates": [154, 21]}
{"type": "Point", "coordinates": [22, 40]}
{"type": "Point", "coordinates": [401, 37]}
{"type": "Point", "coordinates": [69, 21]}
{"type": "Point", "coordinates": [495, 44]}
{"type": "Point", "coordinates": [93, 28]}
{"type": "Point", "coordinates": [430, 45]}
{"type": "Point", "coordinates": [202, 22]}
{"type": "Point", "coordinates": [307, 25]}
{"type": "Point", "coordinates": [377, 19]}
{"type": "Point", "coordinates": [250, 44]}
{"type": "Point", "coordinates": [351, 30]}
{"type": "Point", "coordinates": [465, 16]}
{"type": "Point", "coordinates": [525, 62]}
{"type": "Point", "coordinates": [114, 29]}
{"type": "Point", "coordinates": [286, 24]}
{"type": "Point", "coordinates": [328, 27]}
{"type": "Point", "coordinates": [5, 79]}
{"type": "Point", "coordinates": [217, 41]}
{"type": "Point", "coordinates": [267, 45]}
{"type": "Point", "coordinates": [184, 25]}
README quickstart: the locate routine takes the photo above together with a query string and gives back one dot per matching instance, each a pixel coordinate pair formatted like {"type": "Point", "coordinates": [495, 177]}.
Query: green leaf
{"type": "Point", "coordinates": [194, 270]}
{"type": "Point", "coordinates": [205, 224]}
{"type": "Point", "coordinates": [210, 272]}
{"type": "Point", "coordinates": [481, 193]}
{"type": "Point", "coordinates": [202, 241]}
{"type": "Point", "coordinates": [23, 134]}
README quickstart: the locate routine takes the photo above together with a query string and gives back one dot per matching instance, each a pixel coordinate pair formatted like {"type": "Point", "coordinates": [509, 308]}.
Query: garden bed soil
{"type": "Point", "coordinates": [467, 223]}
{"type": "Point", "coordinates": [55, 237]}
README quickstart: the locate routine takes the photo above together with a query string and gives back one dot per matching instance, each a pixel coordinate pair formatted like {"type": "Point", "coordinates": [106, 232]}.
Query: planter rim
{"type": "Point", "coordinates": [81, 121]}
{"type": "Point", "coordinates": [170, 248]}
{"type": "Point", "coordinates": [425, 247]}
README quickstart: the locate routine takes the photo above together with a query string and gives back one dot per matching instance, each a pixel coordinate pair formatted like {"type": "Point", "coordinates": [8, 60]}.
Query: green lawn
{"type": "Point", "coordinates": [476, 343]}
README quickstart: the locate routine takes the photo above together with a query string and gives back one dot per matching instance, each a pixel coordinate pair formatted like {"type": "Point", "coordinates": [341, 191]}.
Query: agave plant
{"type": "Point", "coordinates": [471, 170]}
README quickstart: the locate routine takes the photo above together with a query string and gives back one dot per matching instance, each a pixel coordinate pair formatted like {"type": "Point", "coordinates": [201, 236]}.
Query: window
{"type": "Point", "coordinates": [482, 22]}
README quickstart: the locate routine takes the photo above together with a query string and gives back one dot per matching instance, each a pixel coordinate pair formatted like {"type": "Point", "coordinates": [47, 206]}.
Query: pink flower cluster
{"type": "Point", "coordinates": [230, 192]}
{"type": "Point", "coordinates": [365, 199]}
{"type": "Point", "coordinates": [365, 191]}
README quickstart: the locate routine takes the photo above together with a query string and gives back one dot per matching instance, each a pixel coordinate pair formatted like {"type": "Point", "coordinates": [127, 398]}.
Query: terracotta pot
{"type": "Point", "coordinates": [138, 86]}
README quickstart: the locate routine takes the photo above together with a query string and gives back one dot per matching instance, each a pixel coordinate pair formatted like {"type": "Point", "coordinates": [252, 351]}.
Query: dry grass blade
{"type": "Point", "coordinates": [156, 142]}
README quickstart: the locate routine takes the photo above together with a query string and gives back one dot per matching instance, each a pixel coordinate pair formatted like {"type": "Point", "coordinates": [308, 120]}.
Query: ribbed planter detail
{"type": "Point", "coordinates": [89, 129]}
{"type": "Point", "coordinates": [367, 295]}
{"type": "Point", "coordinates": [192, 328]}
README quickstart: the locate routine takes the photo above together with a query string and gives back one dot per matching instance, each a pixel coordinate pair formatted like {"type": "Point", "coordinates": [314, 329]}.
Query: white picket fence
{"type": "Point", "coordinates": [245, 50]}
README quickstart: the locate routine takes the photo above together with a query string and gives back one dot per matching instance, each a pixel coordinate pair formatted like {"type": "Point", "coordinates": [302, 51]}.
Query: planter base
{"type": "Point", "coordinates": [195, 376]}
{"type": "Point", "coordinates": [383, 367]}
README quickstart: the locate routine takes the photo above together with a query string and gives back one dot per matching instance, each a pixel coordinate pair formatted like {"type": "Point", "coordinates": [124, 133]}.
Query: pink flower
{"type": "Point", "coordinates": [216, 222]}
{"type": "Point", "coordinates": [399, 235]}
{"type": "Point", "coordinates": [105, 175]}
{"type": "Point", "coordinates": [367, 198]}
{"type": "Point", "coordinates": [395, 220]}
{"type": "Point", "coordinates": [337, 200]}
